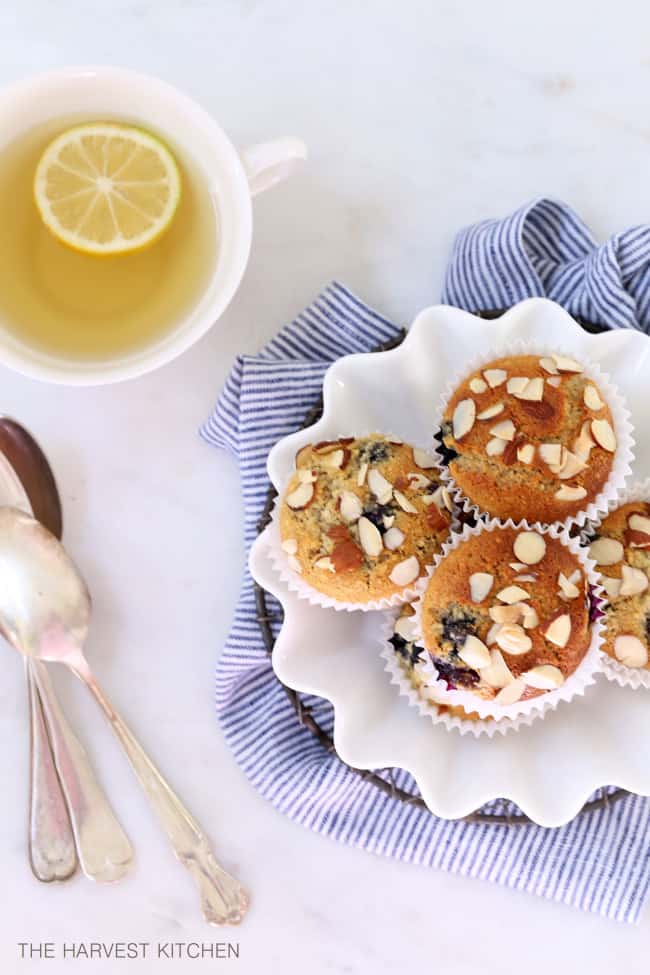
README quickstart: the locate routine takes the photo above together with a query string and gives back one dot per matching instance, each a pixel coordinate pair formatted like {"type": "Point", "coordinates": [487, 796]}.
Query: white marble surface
{"type": "Point", "coordinates": [420, 117]}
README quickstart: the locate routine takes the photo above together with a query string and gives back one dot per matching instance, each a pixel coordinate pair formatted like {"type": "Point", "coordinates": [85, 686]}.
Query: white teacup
{"type": "Point", "coordinates": [99, 92]}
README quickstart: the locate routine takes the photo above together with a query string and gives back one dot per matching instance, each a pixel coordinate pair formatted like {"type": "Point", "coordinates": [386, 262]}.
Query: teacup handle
{"type": "Point", "coordinates": [268, 163]}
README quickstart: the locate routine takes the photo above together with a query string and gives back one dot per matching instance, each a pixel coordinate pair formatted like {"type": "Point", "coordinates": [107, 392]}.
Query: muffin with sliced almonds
{"type": "Point", "coordinates": [361, 518]}
{"type": "Point", "coordinates": [621, 551]}
{"type": "Point", "coordinates": [505, 615]}
{"type": "Point", "coordinates": [529, 437]}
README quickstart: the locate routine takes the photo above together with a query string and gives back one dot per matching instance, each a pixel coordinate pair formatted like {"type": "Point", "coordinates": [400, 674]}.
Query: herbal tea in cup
{"type": "Point", "coordinates": [107, 238]}
{"type": "Point", "coordinates": [126, 222]}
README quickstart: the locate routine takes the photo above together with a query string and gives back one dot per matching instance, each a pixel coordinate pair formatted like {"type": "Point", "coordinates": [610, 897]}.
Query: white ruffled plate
{"type": "Point", "coordinates": [550, 768]}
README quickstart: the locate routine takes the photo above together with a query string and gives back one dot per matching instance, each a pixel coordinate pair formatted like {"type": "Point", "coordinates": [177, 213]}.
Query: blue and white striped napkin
{"type": "Point", "coordinates": [601, 861]}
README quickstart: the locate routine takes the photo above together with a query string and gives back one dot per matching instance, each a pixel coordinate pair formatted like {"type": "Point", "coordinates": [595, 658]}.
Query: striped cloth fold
{"type": "Point", "coordinates": [545, 250]}
{"type": "Point", "coordinates": [599, 862]}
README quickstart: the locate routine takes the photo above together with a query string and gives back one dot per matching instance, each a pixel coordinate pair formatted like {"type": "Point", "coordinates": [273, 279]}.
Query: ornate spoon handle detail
{"type": "Point", "coordinates": [103, 847]}
{"type": "Point", "coordinates": [52, 853]}
{"type": "Point", "coordinates": [223, 899]}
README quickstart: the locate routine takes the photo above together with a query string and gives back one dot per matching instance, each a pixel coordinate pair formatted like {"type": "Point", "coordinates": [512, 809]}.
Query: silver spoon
{"type": "Point", "coordinates": [68, 807]}
{"type": "Point", "coordinates": [45, 613]}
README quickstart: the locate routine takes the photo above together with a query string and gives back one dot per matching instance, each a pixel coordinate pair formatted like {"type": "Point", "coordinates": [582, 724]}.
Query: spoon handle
{"type": "Point", "coordinates": [105, 852]}
{"type": "Point", "coordinates": [52, 854]}
{"type": "Point", "coordinates": [223, 899]}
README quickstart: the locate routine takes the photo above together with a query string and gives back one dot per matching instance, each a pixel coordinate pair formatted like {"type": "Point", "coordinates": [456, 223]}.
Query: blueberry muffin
{"type": "Point", "coordinates": [529, 437]}
{"type": "Point", "coordinates": [411, 654]}
{"type": "Point", "coordinates": [621, 550]}
{"type": "Point", "coordinates": [362, 517]}
{"type": "Point", "coordinates": [506, 615]}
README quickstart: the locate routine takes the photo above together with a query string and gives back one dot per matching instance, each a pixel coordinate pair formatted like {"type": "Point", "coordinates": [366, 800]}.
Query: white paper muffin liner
{"type": "Point", "coordinates": [621, 417]}
{"type": "Point", "coordinates": [426, 698]}
{"type": "Point", "coordinates": [575, 684]}
{"type": "Point", "coordinates": [613, 669]}
{"type": "Point", "coordinates": [280, 561]}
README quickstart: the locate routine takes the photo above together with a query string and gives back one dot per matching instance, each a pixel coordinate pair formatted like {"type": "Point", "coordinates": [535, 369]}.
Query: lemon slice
{"type": "Point", "coordinates": [106, 188]}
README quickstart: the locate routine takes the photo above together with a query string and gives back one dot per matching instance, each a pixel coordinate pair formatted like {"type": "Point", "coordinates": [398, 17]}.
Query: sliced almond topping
{"type": "Point", "coordinates": [529, 547]}
{"type": "Point", "coordinates": [611, 586]}
{"type": "Point", "coordinates": [554, 381]}
{"type": "Point", "coordinates": [633, 581]}
{"type": "Point", "coordinates": [477, 385]}
{"type": "Point", "coordinates": [480, 584]}
{"type": "Point", "coordinates": [418, 481]}
{"type": "Point", "coordinates": [548, 365]}
{"type": "Point", "coordinates": [492, 633]}
{"type": "Point", "coordinates": [422, 459]}
{"type": "Point", "coordinates": [546, 677]}
{"type": "Point", "coordinates": [334, 459]}
{"type": "Point", "coordinates": [405, 572]}
{"type": "Point", "coordinates": [393, 538]}
{"type": "Point", "coordinates": [569, 493]}
{"type": "Point", "coordinates": [474, 653]}
{"type": "Point", "coordinates": [496, 674]}
{"type": "Point", "coordinates": [518, 566]}
{"type": "Point", "coordinates": [526, 454]}
{"type": "Point", "coordinates": [606, 551]}
{"type": "Point", "coordinates": [463, 418]}
{"type": "Point", "coordinates": [301, 496]}
{"type": "Point", "coordinates": [531, 619]}
{"type": "Point", "coordinates": [639, 523]}
{"type": "Point", "coordinates": [533, 390]}
{"type": "Point", "coordinates": [350, 507]}
{"type": "Point", "coordinates": [446, 497]}
{"type": "Point", "coordinates": [490, 411]}
{"type": "Point", "coordinates": [306, 475]}
{"type": "Point", "coordinates": [592, 398]}
{"type": "Point", "coordinates": [404, 503]}
{"type": "Point", "coordinates": [551, 453]}
{"type": "Point", "coordinates": [495, 377]}
{"type": "Point", "coordinates": [630, 651]}
{"type": "Point", "coordinates": [388, 521]}
{"type": "Point", "coordinates": [380, 487]}
{"type": "Point", "coordinates": [566, 364]}
{"type": "Point", "coordinates": [511, 693]}
{"type": "Point", "coordinates": [584, 443]}
{"type": "Point", "coordinates": [558, 630]}
{"type": "Point", "coordinates": [517, 384]}
{"type": "Point", "coordinates": [513, 639]}
{"type": "Point", "coordinates": [526, 578]}
{"type": "Point", "coordinates": [406, 628]}
{"type": "Point", "coordinates": [512, 594]}
{"type": "Point", "coordinates": [369, 537]}
{"type": "Point", "coordinates": [361, 477]}
{"type": "Point", "coordinates": [495, 447]}
{"type": "Point", "coordinates": [567, 588]}
{"type": "Point", "coordinates": [571, 465]}
{"type": "Point", "coordinates": [325, 563]}
{"type": "Point", "coordinates": [507, 614]}
{"type": "Point", "coordinates": [504, 430]}
{"type": "Point", "coordinates": [604, 435]}
{"type": "Point", "coordinates": [294, 564]}
{"type": "Point", "coordinates": [290, 546]}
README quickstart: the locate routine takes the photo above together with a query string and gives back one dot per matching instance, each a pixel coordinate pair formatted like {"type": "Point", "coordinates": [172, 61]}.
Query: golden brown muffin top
{"type": "Point", "coordinates": [506, 614]}
{"type": "Point", "coordinates": [362, 516]}
{"type": "Point", "coordinates": [532, 436]}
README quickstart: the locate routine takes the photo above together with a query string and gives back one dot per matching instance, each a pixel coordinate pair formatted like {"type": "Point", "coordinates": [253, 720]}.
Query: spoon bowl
{"type": "Point", "coordinates": [44, 602]}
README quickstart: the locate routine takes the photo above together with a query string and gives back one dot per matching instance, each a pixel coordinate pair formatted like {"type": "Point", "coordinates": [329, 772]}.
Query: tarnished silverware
{"type": "Point", "coordinates": [69, 812]}
{"type": "Point", "coordinates": [44, 614]}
